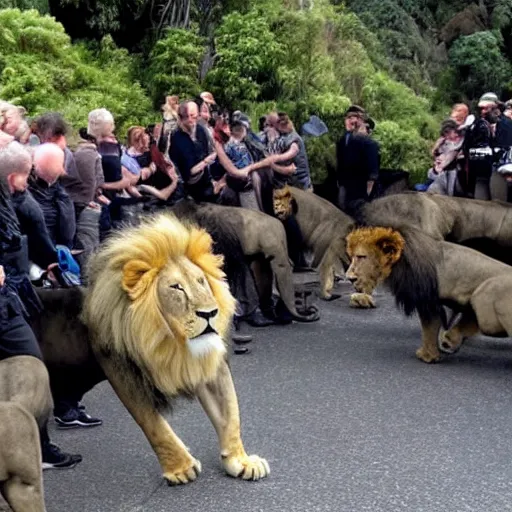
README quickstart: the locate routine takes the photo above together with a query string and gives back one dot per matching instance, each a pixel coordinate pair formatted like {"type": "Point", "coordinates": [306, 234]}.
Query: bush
{"type": "Point", "coordinates": [41, 70]}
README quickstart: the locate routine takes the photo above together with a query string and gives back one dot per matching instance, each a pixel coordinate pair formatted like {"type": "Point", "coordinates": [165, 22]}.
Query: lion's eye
{"type": "Point", "coordinates": [201, 281]}
{"type": "Point", "coordinates": [361, 257]}
{"type": "Point", "coordinates": [178, 287]}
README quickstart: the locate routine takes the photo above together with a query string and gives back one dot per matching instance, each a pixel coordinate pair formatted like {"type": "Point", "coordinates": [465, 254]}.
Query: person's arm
{"type": "Point", "coordinates": [228, 165]}
{"type": "Point", "coordinates": [162, 194]}
{"type": "Point", "coordinates": [117, 185]}
{"type": "Point", "coordinates": [287, 170]}
{"type": "Point", "coordinates": [291, 153]}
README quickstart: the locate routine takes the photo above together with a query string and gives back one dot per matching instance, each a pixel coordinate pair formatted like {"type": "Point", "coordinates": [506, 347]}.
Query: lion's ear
{"type": "Point", "coordinates": [392, 246]}
{"type": "Point", "coordinates": [137, 276]}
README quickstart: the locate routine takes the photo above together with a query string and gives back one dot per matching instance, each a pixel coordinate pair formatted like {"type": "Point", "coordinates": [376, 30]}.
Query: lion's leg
{"type": "Point", "coordinates": [451, 340]}
{"type": "Point", "coordinates": [179, 467]}
{"type": "Point", "coordinates": [326, 271]}
{"type": "Point", "coordinates": [23, 496]}
{"type": "Point", "coordinates": [220, 403]}
{"type": "Point", "coordinates": [429, 352]}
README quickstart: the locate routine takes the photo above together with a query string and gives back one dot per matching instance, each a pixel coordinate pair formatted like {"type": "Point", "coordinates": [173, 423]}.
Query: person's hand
{"type": "Point", "coordinates": [94, 204]}
{"type": "Point", "coordinates": [171, 172]}
{"type": "Point", "coordinates": [218, 186]}
{"type": "Point", "coordinates": [2, 275]}
{"type": "Point", "coordinates": [103, 200]}
{"type": "Point", "coordinates": [210, 158]}
{"type": "Point", "coordinates": [145, 173]}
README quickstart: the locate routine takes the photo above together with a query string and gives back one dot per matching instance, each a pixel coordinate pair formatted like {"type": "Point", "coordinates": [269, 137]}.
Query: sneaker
{"type": "Point", "coordinates": [76, 418]}
{"type": "Point", "coordinates": [54, 458]}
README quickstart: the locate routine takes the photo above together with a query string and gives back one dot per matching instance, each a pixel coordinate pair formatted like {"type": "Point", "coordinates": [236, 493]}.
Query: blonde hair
{"type": "Point", "coordinates": [100, 123]}
{"type": "Point", "coordinates": [6, 108]}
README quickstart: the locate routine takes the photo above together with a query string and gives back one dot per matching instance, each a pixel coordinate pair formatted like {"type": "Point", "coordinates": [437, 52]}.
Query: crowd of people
{"type": "Point", "coordinates": [58, 205]}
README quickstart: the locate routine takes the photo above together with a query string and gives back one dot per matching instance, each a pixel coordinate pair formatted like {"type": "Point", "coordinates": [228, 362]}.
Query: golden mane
{"type": "Point", "coordinates": [123, 310]}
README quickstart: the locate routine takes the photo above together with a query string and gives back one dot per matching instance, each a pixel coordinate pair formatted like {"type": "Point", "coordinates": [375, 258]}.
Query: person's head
{"type": "Point", "coordinates": [353, 117]}
{"type": "Point", "coordinates": [204, 111]}
{"type": "Point", "coordinates": [238, 130]}
{"type": "Point", "coordinates": [364, 126]}
{"type": "Point", "coordinates": [284, 124]}
{"type": "Point", "coordinates": [208, 98]}
{"type": "Point", "coordinates": [51, 127]}
{"type": "Point", "coordinates": [488, 107]}
{"type": "Point", "coordinates": [507, 112]}
{"type": "Point", "coordinates": [49, 162]}
{"type": "Point", "coordinates": [460, 112]}
{"type": "Point", "coordinates": [272, 120]}
{"type": "Point", "coordinates": [188, 114]}
{"type": "Point", "coordinates": [11, 117]}
{"type": "Point", "coordinates": [100, 124]}
{"type": "Point", "coordinates": [15, 166]}
{"type": "Point", "coordinates": [449, 129]}
{"type": "Point", "coordinates": [138, 139]}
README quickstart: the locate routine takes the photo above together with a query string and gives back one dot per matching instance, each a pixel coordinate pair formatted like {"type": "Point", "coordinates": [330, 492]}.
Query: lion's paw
{"type": "Point", "coordinates": [362, 301]}
{"type": "Point", "coordinates": [184, 474]}
{"type": "Point", "coordinates": [427, 357]}
{"type": "Point", "coordinates": [247, 467]}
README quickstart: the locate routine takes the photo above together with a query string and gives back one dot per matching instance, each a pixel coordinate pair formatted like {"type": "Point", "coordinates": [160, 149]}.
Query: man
{"type": "Point", "coordinates": [490, 132]}
{"type": "Point", "coordinates": [357, 161]}
{"type": "Point", "coordinates": [18, 300]}
{"type": "Point", "coordinates": [190, 153]}
{"type": "Point", "coordinates": [58, 209]}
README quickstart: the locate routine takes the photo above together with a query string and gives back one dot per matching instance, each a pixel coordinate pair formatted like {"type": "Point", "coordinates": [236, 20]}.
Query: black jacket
{"type": "Point", "coordinates": [357, 162]}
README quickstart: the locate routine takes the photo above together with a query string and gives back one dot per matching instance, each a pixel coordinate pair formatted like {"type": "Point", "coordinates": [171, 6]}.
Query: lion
{"type": "Point", "coordinates": [158, 311]}
{"type": "Point", "coordinates": [425, 275]}
{"type": "Point", "coordinates": [482, 225]}
{"type": "Point", "coordinates": [25, 407]}
{"type": "Point", "coordinates": [263, 243]}
{"type": "Point", "coordinates": [324, 228]}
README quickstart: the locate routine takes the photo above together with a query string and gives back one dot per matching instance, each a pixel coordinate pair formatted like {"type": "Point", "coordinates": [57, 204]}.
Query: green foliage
{"type": "Point", "coordinates": [479, 63]}
{"type": "Point", "coordinates": [174, 65]}
{"type": "Point", "coordinates": [40, 5]}
{"type": "Point", "coordinates": [247, 55]}
{"type": "Point", "coordinates": [41, 70]}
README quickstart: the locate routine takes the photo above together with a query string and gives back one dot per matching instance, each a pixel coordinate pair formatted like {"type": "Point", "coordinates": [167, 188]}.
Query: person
{"type": "Point", "coordinates": [18, 301]}
{"type": "Point", "coordinates": [11, 119]}
{"type": "Point", "coordinates": [357, 161]}
{"type": "Point", "coordinates": [447, 154]}
{"type": "Point", "coordinates": [101, 127]}
{"type": "Point", "coordinates": [190, 152]}
{"type": "Point", "coordinates": [169, 123]}
{"type": "Point", "coordinates": [44, 186]}
{"type": "Point", "coordinates": [490, 132]}
{"type": "Point", "coordinates": [293, 146]}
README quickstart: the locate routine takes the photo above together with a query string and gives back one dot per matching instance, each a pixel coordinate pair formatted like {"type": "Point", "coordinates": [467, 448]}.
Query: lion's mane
{"type": "Point", "coordinates": [413, 279]}
{"type": "Point", "coordinates": [124, 314]}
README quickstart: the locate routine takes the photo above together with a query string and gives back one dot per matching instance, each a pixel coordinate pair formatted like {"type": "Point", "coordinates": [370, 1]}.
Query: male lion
{"type": "Point", "coordinates": [424, 274]}
{"type": "Point", "coordinates": [324, 228]}
{"type": "Point", "coordinates": [158, 311]}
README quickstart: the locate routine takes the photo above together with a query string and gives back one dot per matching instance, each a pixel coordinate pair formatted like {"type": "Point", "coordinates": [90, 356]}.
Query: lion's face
{"type": "Point", "coordinates": [187, 303]}
{"type": "Point", "coordinates": [283, 203]}
{"type": "Point", "coordinates": [373, 252]}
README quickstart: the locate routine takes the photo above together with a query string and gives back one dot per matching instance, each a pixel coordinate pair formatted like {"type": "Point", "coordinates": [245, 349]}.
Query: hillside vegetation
{"type": "Point", "coordinates": [405, 61]}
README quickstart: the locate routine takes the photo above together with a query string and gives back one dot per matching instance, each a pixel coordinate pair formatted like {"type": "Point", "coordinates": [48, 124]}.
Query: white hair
{"type": "Point", "coordinates": [101, 123]}
{"type": "Point", "coordinates": [14, 158]}
{"type": "Point", "coordinates": [6, 108]}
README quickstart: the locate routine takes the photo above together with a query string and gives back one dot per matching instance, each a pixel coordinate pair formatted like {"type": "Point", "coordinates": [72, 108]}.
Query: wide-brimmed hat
{"type": "Point", "coordinates": [208, 98]}
{"type": "Point", "coordinates": [488, 99]}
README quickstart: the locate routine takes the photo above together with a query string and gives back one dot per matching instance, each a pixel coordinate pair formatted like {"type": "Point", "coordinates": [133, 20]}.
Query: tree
{"type": "Point", "coordinates": [479, 63]}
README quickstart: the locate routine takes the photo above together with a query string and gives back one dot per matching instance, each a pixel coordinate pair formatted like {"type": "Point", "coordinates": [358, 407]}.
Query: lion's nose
{"type": "Point", "coordinates": [207, 314]}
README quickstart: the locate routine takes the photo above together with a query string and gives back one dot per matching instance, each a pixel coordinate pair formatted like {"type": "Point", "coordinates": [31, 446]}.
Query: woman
{"type": "Point", "coordinates": [169, 123]}
{"type": "Point", "coordinates": [101, 127]}
{"type": "Point", "coordinates": [11, 119]}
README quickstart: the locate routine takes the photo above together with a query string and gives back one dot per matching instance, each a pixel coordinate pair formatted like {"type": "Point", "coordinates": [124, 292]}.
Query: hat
{"type": "Point", "coordinates": [487, 99]}
{"type": "Point", "coordinates": [448, 124]}
{"type": "Point", "coordinates": [355, 110]}
{"type": "Point", "coordinates": [208, 98]}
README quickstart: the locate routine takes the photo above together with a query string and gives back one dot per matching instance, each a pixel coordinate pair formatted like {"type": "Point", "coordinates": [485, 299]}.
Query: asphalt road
{"type": "Point", "coordinates": [347, 417]}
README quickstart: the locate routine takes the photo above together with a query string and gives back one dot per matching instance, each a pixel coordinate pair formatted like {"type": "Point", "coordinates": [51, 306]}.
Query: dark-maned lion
{"type": "Point", "coordinates": [324, 228]}
{"type": "Point", "coordinates": [423, 274]}
{"type": "Point", "coordinates": [155, 316]}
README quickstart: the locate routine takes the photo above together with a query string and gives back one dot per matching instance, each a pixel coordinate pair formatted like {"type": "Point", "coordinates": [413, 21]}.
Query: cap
{"type": "Point", "coordinates": [489, 98]}
{"type": "Point", "coordinates": [355, 110]}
